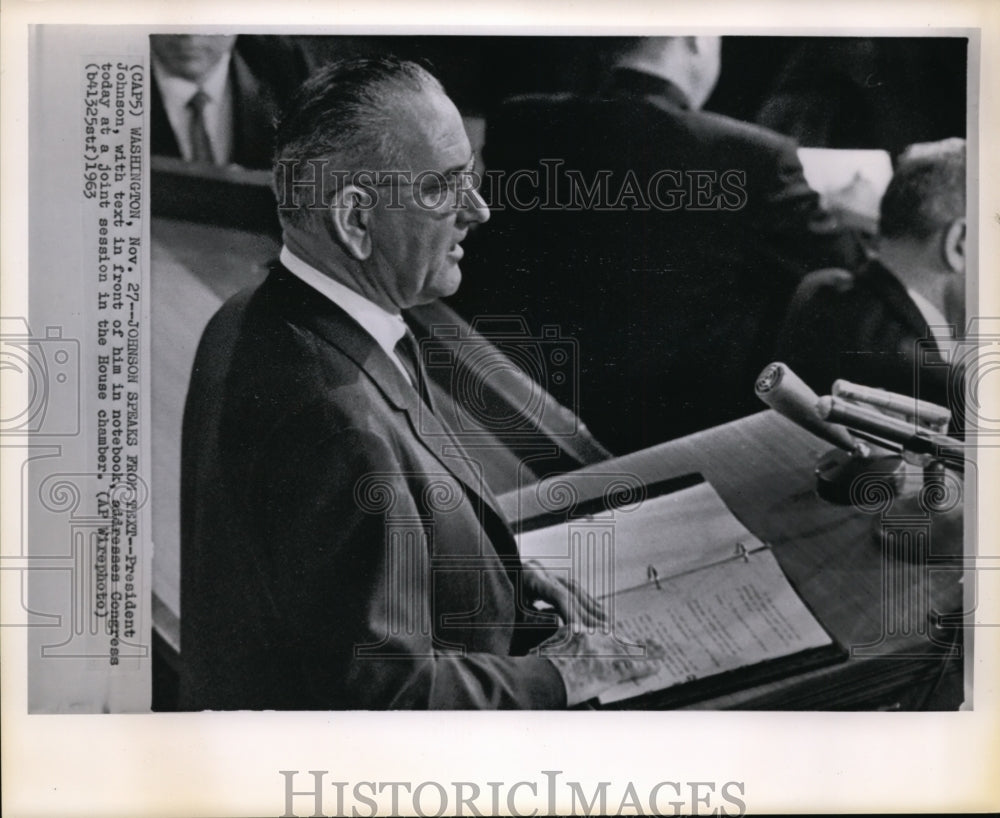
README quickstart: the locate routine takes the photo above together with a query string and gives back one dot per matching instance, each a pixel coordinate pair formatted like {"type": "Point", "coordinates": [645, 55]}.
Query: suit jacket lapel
{"type": "Point", "coordinates": [252, 135]}
{"type": "Point", "coordinates": [893, 294]}
{"type": "Point", "coordinates": [312, 310]}
{"type": "Point", "coordinates": [162, 139]}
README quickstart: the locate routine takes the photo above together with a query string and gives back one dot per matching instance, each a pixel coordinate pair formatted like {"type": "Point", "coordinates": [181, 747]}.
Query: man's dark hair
{"type": "Point", "coordinates": [346, 114]}
{"type": "Point", "coordinates": [927, 191]}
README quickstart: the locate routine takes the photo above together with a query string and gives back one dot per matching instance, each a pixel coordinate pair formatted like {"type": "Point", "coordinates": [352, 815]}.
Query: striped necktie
{"type": "Point", "coordinates": [408, 354]}
{"type": "Point", "coordinates": [201, 147]}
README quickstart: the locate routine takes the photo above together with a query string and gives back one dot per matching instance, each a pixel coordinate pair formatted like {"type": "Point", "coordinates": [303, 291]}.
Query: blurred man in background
{"type": "Point", "coordinates": [892, 323]}
{"type": "Point", "coordinates": [215, 97]}
{"type": "Point", "coordinates": [664, 239]}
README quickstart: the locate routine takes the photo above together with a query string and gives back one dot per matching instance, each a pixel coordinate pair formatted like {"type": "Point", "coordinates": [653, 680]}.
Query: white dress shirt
{"type": "Point", "coordinates": [217, 114]}
{"type": "Point", "coordinates": [385, 327]}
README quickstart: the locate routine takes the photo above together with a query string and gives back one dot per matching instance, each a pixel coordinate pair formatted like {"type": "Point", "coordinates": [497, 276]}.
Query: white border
{"type": "Point", "coordinates": [226, 764]}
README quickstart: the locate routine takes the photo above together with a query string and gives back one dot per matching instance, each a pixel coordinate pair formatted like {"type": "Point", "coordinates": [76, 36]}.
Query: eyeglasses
{"type": "Point", "coordinates": [430, 188]}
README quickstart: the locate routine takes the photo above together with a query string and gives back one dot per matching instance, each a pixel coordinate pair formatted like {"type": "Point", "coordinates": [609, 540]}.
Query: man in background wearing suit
{"type": "Point", "coordinates": [891, 324]}
{"type": "Point", "coordinates": [340, 547]}
{"type": "Point", "coordinates": [215, 97]}
{"type": "Point", "coordinates": [665, 239]}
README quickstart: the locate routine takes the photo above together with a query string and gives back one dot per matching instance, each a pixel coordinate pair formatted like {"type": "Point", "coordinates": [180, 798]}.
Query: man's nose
{"type": "Point", "coordinates": [472, 207]}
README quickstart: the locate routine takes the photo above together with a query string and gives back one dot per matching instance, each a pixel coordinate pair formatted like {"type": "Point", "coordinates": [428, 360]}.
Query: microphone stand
{"type": "Point", "coordinates": [921, 524]}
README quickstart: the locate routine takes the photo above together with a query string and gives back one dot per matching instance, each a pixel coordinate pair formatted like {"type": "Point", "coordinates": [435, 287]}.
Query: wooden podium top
{"type": "Point", "coordinates": [880, 607]}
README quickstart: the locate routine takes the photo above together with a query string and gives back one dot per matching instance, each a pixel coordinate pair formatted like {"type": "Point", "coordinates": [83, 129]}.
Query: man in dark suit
{"type": "Point", "coordinates": [340, 546]}
{"type": "Point", "coordinates": [666, 240]}
{"type": "Point", "coordinates": [892, 324]}
{"type": "Point", "coordinates": [214, 98]}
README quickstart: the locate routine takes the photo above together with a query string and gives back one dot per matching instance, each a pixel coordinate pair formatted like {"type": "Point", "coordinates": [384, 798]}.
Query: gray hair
{"type": "Point", "coordinates": [927, 191]}
{"type": "Point", "coordinates": [342, 120]}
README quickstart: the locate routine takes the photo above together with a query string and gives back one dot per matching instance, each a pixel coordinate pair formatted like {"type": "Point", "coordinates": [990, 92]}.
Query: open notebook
{"type": "Point", "coordinates": [680, 569]}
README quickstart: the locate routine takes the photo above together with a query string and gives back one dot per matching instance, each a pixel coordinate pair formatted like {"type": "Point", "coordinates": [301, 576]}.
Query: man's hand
{"type": "Point", "coordinates": [591, 663]}
{"type": "Point", "coordinates": [576, 607]}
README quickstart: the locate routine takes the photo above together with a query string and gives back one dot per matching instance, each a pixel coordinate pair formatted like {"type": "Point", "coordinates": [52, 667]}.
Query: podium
{"type": "Point", "coordinates": [899, 619]}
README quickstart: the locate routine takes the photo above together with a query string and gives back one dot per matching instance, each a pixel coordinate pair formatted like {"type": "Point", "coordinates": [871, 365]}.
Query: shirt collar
{"type": "Point", "coordinates": [935, 320]}
{"type": "Point", "coordinates": [177, 91]}
{"type": "Point", "coordinates": [385, 327]}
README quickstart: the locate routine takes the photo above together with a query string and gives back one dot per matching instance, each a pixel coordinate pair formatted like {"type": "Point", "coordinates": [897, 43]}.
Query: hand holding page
{"type": "Point", "coordinates": [681, 572]}
{"type": "Point", "coordinates": [575, 606]}
{"type": "Point", "coordinates": [591, 663]}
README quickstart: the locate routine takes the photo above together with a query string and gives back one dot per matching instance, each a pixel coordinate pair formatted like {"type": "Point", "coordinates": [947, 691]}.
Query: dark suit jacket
{"type": "Point", "coordinates": [673, 310]}
{"type": "Point", "coordinates": [338, 550]}
{"type": "Point", "coordinates": [478, 376]}
{"type": "Point", "coordinates": [866, 329]}
{"type": "Point", "coordinates": [263, 74]}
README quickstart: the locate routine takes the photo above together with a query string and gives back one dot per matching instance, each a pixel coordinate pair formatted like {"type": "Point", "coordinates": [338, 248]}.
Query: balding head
{"type": "Point", "coordinates": [347, 116]}
{"type": "Point", "coordinates": [691, 63]}
{"type": "Point", "coordinates": [396, 199]}
{"type": "Point", "coordinates": [927, 191]}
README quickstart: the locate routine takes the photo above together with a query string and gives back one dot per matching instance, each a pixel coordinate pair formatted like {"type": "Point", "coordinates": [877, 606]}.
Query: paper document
{"type": "Point", "coordinates": [682, 571]}
{"type": "Point", "coordinates": [723, 617]}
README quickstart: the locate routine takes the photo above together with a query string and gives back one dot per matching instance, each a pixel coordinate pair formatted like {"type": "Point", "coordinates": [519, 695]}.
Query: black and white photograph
{"type": "Point", "coordinates": [631, 384]}
{"type": "Point", "coordinates": [583, 262]}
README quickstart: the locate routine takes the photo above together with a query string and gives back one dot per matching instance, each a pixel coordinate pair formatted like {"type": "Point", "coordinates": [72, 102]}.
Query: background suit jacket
{"type": "Point", "coordinates": [865, 328]}
{"type": "Point", "coordinates": [263, 74]}
{"type": "Point", "coordinates": [337, 550]}
{"type": "Point", "coordinates": [674, 310]}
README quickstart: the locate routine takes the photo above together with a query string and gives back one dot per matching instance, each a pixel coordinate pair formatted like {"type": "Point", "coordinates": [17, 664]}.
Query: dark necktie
{"type": "Point", "coordinates": [201, 147]}
{"type": "Point", "coordinates": [408, 354]}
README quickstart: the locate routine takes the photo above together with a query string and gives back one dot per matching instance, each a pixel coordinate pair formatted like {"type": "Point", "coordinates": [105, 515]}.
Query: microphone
{"type": "Point", "coordinates": [838, 469]}
{"type": "Point", "coordinates": [788, 395]}
{"type": "Point", "coordinates": [903, 434]}
{"type": "Point", "coordinates": [923, 413]}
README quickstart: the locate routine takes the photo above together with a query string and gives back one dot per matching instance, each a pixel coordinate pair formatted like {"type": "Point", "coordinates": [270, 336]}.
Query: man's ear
{"type": "Point", "coordinates": [350, 220]}
{"type": "Point", "coordinates": [953, 246]}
